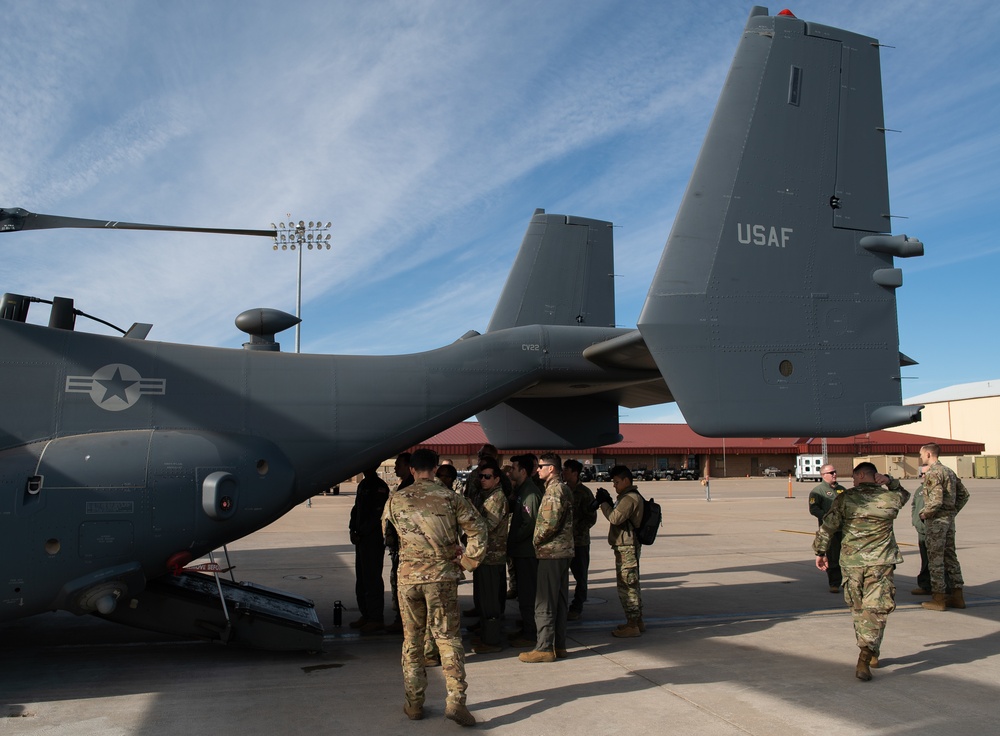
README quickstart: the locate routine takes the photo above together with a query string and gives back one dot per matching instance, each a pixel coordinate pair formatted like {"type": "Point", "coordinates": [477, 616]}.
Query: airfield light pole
{"type": "Point", "coordinates": [297, 237]}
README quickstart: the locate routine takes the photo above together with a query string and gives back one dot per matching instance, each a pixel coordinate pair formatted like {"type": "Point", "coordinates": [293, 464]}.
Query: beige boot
{"type": "Point", "coordinates": [538, 655]}
{"type": "Point", "coordinates": [956, 599]}
{"type": "Point", "coordinates": [642, 625]}
{"type": "Point", "coordinates": [459, 714]}
{"type": "Point", "coordinates": [413, 711]}
{"type": "Point", "coordinates": [628, 630]}
{"type": "Point", "coordinates": [937, 604]}
{"type": "Point", "coordinates": [864, 660]}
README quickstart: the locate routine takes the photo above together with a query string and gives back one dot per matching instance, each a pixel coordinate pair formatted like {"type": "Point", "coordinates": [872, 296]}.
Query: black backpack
{"type": "Point", "coordinates": [652, 520]}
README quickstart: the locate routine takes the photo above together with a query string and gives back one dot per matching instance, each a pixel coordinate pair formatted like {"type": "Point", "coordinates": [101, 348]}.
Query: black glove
{"type": "Point", "coordinates": [602, 496]}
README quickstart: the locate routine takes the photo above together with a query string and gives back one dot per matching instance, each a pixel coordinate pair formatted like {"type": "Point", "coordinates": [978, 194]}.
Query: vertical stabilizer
{"type": "Point", "coordinates": [773, 308]}
{"type": "Point", "coordinates": [563, 275]}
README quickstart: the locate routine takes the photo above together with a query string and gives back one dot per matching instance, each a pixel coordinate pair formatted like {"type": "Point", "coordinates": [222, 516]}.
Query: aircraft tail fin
{"type": "Point", "coordinates": [773, 308]}
{"type": "Point", "coordinates": [563, 275]}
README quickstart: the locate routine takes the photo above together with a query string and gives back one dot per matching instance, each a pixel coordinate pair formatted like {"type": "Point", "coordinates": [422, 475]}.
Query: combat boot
{"type": "Point", "coordinates": [538, 655]}
{"type": "Point", "coordinates": [956, 599]}
{"type": "Point", "coordinates": [920, 591]}
{"type": "Point", "coordinates": [628, 630]}
{"type": "Point", "coordinates": [459, 714]}
{"type": "Point", "coordinates": [413, 711]}
{"type": "Point", "coordinates": [937, 604]}
{"type": "Point", "coordinates": [864, 660]}
{"type": "Point", "coordinates": [642, 625]}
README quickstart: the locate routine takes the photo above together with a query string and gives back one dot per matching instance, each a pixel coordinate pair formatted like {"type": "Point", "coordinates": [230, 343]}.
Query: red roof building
{"type": "Point", "coordinates": [676, 445]}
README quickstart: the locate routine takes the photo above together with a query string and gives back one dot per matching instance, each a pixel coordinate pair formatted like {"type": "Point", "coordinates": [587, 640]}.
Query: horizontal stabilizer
{"type": "Point", "coordinates": [773, 309]}
{"type": "Point", "coordinates": [627, 351]}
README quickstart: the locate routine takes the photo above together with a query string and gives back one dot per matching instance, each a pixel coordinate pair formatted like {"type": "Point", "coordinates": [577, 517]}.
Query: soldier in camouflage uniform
{"type": "Point", "coordinates": [584, 517]}
{"type": "Point", "coordinates": [474, 492]}
{"type": "Point", "coordinates": [924, 576]}
{"type": "Point", "coordinates": [944, 495]}
{"type": "Point", "coordinates": [864, 515]}
{"type": "Point", "coordinates": [488, 579]}
{"type": "Point", "coordinates": [624, 516]}
{"type": "Point", "coordinates": [553, 542]}
{"type": "Point", "coordinates": [820, 500]}
{"type": "Point", "coordinates": [429, 520]}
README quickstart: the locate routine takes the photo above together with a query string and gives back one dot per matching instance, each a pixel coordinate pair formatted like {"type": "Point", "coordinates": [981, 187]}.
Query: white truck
{"type": "Point", "coordinates": [807, 467]}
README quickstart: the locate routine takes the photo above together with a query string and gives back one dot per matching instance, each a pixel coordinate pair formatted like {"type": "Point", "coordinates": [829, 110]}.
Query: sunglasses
{"type": "Point", "coordinates": [486, 476]}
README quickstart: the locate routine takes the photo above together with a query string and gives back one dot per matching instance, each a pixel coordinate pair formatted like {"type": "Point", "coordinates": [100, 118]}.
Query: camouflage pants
{"type": "Point", "coordinates": [871, 594]}
{"type": "Point", "coordinates": [942, 558]}
{"type": "Point", "coordinates": [431, 610]}
{"type": "Point", "coordinates": [627, 576]}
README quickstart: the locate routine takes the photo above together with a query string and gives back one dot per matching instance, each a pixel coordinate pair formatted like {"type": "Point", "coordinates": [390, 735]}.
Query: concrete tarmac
{"type": "Point", "coordinates": [742, 637]}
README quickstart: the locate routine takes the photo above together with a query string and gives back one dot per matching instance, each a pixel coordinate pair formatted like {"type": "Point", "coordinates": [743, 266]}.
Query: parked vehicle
{"type": "Point", "coordinates": [686, 474]}
{"type": "Point", "coordinates": [807, 467]}
{"type": "Point", "coordinates": [603, 474]}
{"type": "Point", "coordinates": [771, 472]}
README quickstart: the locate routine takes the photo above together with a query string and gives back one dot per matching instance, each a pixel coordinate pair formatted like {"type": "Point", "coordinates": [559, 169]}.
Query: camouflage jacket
{"type": "Point", "coordinates": [429, 520]}
{"type": "Point", "coordinates": [584, 517]}
{"type": "Point", "coordinates": [522, 520]}
{"type": "Point", "coordinates": [474, 491]}
{"type": "Point", "coordinates": [624, 517]}
{"type": "Point", "coordinates": [496, 516]}
{"type": "Point", "coordinates": [821, 498]}
{"type": "Point", "coordinates": [553, 538]}
{"type": "Point", "coordinates": [944, 493]}
{"type": "Point", "coordinates": [864, 514]}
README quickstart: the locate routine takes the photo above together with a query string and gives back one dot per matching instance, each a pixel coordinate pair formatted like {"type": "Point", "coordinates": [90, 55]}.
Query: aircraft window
{"type": "Point", "coordinates": [52, 546]}
{"type": "Point", "coordinates": [785, 368]}
{"type": "Point", "coordinates": [262, 467]}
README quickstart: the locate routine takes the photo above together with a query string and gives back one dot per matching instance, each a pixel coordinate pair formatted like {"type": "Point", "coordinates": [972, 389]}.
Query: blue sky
{"type": "Point", "coordinates": [428, 132]}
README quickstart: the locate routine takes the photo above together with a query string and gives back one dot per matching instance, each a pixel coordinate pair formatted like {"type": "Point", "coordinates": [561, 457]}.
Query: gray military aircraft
{"type": "Point", "coordinates": [772, 312]}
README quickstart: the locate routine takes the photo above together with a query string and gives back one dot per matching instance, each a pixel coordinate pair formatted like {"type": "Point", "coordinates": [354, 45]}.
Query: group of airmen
{"type": "Point", "coordinates": [856, 546]}
{"type": "Point", "coordinates": [533, 517]}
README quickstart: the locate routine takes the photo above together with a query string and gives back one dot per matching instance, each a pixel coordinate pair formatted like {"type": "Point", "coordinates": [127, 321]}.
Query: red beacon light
{"type": "Point", "coordinates": [787, 13]}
